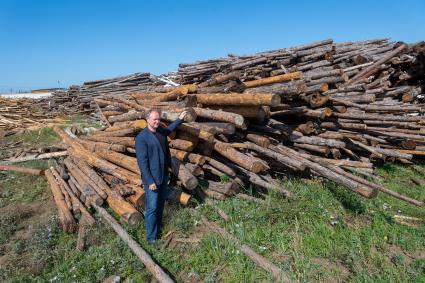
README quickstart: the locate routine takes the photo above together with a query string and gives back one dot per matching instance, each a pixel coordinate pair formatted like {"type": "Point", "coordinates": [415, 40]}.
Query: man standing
{"type": "Point", "coordinates": [154, 159]}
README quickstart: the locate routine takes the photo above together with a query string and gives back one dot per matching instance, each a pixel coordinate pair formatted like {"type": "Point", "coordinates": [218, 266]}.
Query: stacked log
{"type": "Point", "coordinates": [18, 114]}
{"type": "Point", "coordinates": [326, 109]}
{"type": "Point", "coordinates": [84, 188]}
{"type": "Point", "coordinates": [78, 99]}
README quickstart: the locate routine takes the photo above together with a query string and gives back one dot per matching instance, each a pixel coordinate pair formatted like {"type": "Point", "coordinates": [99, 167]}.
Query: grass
{"type": "Point", "coordinates": [326, 233]}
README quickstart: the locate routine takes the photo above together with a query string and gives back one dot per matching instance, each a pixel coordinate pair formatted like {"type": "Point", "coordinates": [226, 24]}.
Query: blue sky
{"type": "Point", "coordinates": [43, 42]}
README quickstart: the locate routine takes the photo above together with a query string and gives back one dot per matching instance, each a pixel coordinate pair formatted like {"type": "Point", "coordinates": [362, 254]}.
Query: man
{"type": "Point", "coordinates": [154, 159]}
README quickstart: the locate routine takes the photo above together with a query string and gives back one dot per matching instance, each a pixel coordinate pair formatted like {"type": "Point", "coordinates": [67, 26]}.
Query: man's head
{"type": "Point", "coordinates": [153, 118]}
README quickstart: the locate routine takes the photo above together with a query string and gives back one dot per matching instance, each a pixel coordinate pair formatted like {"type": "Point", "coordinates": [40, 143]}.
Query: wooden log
{"type": "Point", "coordinates": [92, 146]}
{"type": "Point", "coordinates": [183, 174]}
{"type": "Point", "coordinates": [92, 159]}
{"type": "Point", "coordinates": [250, 163]}
{"type": "Point", "coordinates": [250, 198]}
{"type": "Point", "coordinates": [221, 78]}
{"type": "Point", "coordinates": [89, 220]}
{"type": "Point", "coordinates": [137, 124]}
{"type": "Point", "coordinates": [178, 196]}
{"type": "Point", "coordinates": [314, 148]}
{"type": "Point", "coordinates": [297, 137]}
{"type": "Point", "coordinates": [82, 233]}
{"type": "Point", "coordinates": [213, 194]}
{"type": "Point", "coordinates": [272, 80]}
{"type": "Point", "coordinates": [119, 159]}
{"type": "Point", "coordinates": [231, 86]}
{"type": "Point", "coordinates": [221, 116]}
{"type": "Point", "coordinates": [101, 114]}
{"type": "Point", "coordinates": [226, 189]}
{"type": "Point", "coordinates": [418, 169]}
{"type": "Point", "coordinates": [220, 166]}
{"type": "Point", "coordinates": [259, 140]}
{"type": "Point", "coordinates": [126, 141]}
{"type": "Point", "coordinates": [153, 268]}
{"type": "Point", "coordinates": [316, 99]}
{"type": "Point", "coordinates": [65, 216]}
{"type": "Point", "coordinates": [219, 211]}
{"type": "Point", "coordinates": [196, 158]}
{"type": "Point", "coordinates": [370, 70]}
{"type": "Point", "coordinates": [74, 186]}
{"type": "Point", "coordinates": [239, 99]}
{"type": "Point", "coordinates": [252, 112]}
{"type": "Point", "coordinates": [418, 182]}
{"type": "Point", "coordinates": [180, 144]}
{"type": "Point", "coordinates": [194, 169]}
{"type": "Point", "coordinates": [24, 170]}
{"type": "Point", "coordinates": [274, 155]}
{"type": "Point", "coordinates": [189, 129]}
{"type": "Point", "coordinates": [108, 113]}
{"type": "Point", "coordinates": [104, 102]}
{"type": "Point", "coordinates": [215, 127]}
{"type": "Point", "coordinates": [214, 171]}
{"type": "Point", "coordinates": [337, 178]}
{"type": "Point", "coordinates": [117, 133]}
{"type": "Point", "coordinates": [286, 90]}
{"type": "Point", "coordinates": [378, 187]}
{"type": "Point", "coordinates": [88, 188]}
{"type": "Point", "coordinates": [129, 116]}
{"type": "Point", "coordinates": [260, 261]}
{"type": "Point", "coordinates": [306, 128]}
{"type": "Point", "coordinates": [35, 157]}
{"type": "Point", "coordinates": [179, 154]}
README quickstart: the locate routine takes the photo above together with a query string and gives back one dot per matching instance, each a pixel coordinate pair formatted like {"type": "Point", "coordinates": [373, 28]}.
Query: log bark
{"type": "Point", "coordinates": [144, 257]}
{"type": "Point", "coordinates": [250, 163]}
{"type": "Point", "coordinates": [239, 99]}
{"type": "Point", "coordinates": [183, 174]}
{"type": "Point", "coordinates": [255, 257]}
{"type": "Point", "coordinates": [92, 146]}
{"type": "Point", "coordinates": [65, 216]}
{"type": "Point", "coordinates": [24, 170]}
{"type": "Point", "coordinates": [337, 178]}
{"type": "Point", "coordinates": [221, 116]}
{"type": "Point", "coordinates": [272, 80]}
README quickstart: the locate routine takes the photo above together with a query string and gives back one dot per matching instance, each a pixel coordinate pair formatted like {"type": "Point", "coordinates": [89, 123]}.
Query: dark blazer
{"type": "Point", "coordinates": [150, 156]}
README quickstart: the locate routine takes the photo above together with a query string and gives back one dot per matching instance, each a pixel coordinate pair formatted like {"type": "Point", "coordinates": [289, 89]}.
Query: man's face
{"type": "Point", "coordinates": [153, 120]}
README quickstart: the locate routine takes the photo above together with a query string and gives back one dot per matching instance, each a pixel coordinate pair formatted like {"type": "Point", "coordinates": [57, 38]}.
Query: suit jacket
{"type": "Point", "coordinates": [150, 156]}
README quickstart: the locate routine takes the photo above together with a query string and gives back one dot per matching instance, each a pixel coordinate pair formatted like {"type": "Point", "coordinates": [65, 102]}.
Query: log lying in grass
{"type": "Point", "coordinates": [24, 170]}
{"type": "Point", "coordinates": [259, 260]}
{"type": "Point", "coordinates": [143, 256]}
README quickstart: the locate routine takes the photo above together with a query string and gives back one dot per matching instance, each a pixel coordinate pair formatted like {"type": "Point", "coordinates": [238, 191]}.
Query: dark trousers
{"type": "Point", "coordinates": [154, 205]}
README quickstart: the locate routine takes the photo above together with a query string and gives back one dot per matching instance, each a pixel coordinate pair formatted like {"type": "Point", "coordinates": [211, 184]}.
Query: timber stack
{"type": "Point", "coordinates": [324, 109]}
{"type": "Point", "coordinates": [79, 99]}
{"type": "Point", "coordinates": [16, 115]}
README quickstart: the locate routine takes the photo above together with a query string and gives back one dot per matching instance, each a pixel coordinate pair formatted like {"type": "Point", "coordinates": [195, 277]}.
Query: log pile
{"type": "Point", "coordinates": [87, 177]}
{"type": "Point", "coordinates": [18, 114]}
{"type": "Point", "coordinates": [325, 109]}
{"type": "Point", "coordinates": [79, 99]}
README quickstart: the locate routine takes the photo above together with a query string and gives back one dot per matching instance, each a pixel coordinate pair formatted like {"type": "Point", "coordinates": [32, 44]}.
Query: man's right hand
{"type": "Point", "coordinates": [152, 187]}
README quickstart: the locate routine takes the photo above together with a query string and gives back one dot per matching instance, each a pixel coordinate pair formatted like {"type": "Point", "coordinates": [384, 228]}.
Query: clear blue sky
{"type": "Point", "coordinates": [43, 42]}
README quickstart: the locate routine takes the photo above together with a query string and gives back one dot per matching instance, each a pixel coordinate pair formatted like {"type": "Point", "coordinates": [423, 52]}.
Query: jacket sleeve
{"type": "Point", "coordinates": [143, 161]}
{"type": "Point", "coordinates": [172, 126]}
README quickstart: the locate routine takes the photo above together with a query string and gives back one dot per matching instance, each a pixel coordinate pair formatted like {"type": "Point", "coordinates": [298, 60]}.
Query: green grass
{"type": "Point", "coordinates": [326, 233]}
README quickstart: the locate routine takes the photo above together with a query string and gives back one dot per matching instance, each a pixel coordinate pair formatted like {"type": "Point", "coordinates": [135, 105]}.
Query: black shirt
{"type": "Point", "coordinates": [163, 142]}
